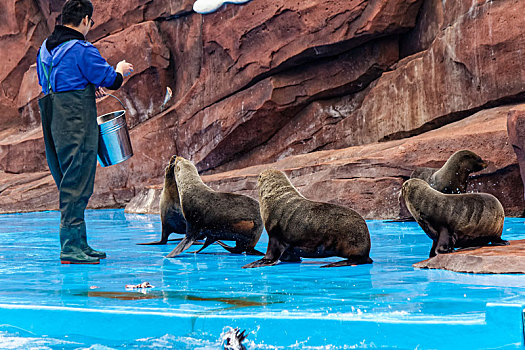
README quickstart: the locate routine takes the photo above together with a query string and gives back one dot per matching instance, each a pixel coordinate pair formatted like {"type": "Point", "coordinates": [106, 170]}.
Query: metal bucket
{"type": "Point", "coordinates": [114, 145]}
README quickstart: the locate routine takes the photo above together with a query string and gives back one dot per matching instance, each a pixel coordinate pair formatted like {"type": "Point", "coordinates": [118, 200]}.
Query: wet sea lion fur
{"type": "Point", "coordinates": [298, 227]}
{"type": "Point", "coordinates": [454, 220]}
{"type": "Point", "coordinates": [452, 177]}
{"type": "Point", "coordinates": [171, 216]}
{"type": "Point", "coordinates": [215, 215]}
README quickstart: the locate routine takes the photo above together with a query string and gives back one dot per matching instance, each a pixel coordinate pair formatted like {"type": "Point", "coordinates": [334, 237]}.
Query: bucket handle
{"type": "Point", "coordinates": [116, 98]}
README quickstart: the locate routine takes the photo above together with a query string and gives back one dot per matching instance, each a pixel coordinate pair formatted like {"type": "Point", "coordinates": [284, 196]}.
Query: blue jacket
{"type": "Point", "coordinates": [72, 66]}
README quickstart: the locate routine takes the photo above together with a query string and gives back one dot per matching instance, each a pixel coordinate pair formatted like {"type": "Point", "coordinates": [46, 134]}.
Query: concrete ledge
{"type": "Point", "coordinates": [147, 201]}
{"type": "Point", "coordinates": [501, 326]}
{"type": "Point", "coordinates": [492, 259]}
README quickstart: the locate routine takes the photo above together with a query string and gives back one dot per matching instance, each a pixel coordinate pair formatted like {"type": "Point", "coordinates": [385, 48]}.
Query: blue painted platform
{"type": "Point", "coordinates": [388, 304]}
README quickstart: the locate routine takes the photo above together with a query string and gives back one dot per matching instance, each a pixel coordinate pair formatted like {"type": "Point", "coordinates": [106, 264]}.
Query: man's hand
{"type": "Point", "coordinates": [99, 93]}
{"type": "Point", "coordinates": [124, 68]}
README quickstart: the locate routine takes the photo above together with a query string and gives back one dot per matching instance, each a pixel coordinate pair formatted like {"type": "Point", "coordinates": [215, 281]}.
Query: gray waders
{"type": "Point", "coordinates": [69, 124]}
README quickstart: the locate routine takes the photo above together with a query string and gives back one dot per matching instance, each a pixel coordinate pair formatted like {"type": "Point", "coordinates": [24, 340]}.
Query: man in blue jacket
{"type": "Point", "coordinates": [71, 72]}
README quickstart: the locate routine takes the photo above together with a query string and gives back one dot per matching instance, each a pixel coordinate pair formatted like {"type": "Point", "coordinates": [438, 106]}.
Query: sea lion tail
{"type": "Point", "coordinates": [182, 246]}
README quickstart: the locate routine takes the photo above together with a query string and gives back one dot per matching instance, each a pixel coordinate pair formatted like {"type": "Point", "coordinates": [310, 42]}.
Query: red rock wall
{"type": "Point", "coordinates": [267, 81]}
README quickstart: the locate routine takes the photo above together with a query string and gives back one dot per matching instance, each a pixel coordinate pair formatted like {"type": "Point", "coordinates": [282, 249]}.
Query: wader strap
{"type": "Point", "coordinates": [67, 45]}
{"type": "Point", "coordinates": [47, 73]}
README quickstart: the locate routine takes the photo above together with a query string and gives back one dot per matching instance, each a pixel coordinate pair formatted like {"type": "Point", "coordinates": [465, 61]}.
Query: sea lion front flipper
{"type": "Point", "coordinates": [433, 249]}
{"type": "Point", "coordinates": [273, 253]}
{"type": "Point", "coordinates": [208, 242]}
{"type": "Point", "coordinates": [349, 262]}
{"type": "Point", "coordinates": [186, 242]}
{"type": "Point", "coordinates": [445, 242]}
{"type": "Point", "coordinates": [260, 263]}
{"type": "Point", "coordinates": [289, 256]}
{"type": "Point", "coordinates": [499, 241]}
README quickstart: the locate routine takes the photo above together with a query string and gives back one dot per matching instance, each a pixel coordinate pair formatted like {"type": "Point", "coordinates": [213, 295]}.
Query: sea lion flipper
{"type": "Point", "coordinates": [433, 249]}
{"type": "Point", "coordinates": [349, 262]}
{"type": "Point", "coordinates": [163, 239]}
{"type": "Point", "coordinates": [208, 242]}
{"type": "Point", "coordinates": [239, 250]}
{"type": "Point", "coordinates": [290, 256]}
{"type": "Point", "coordinates": [152, 243]}
{"type": "Point", "coordinates": [182, 246]}
{"type": "Point", "coordinates": [273, 253]}
{"type": "Point", "coordinates": [253, 251]}
{"type": "Point", "coordinates": [445, 242]}
{"type": "Point", "coordinates": [233, 250]}
{"type": "Point", "coordinates": [499, 241]}
{"type": "Point", "coordinates": [260, 263]}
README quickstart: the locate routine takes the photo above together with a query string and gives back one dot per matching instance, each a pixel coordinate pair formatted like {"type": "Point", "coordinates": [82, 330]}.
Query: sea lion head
{"type": "Point", "coordinates": [185, 172]}
{"type": "Point", "coordinates": [182, 164]}
{"type": "Point", "coordinates": [168, 171]}
{"type": "Point", "coordinates": [170, 184]}
{"type": "Point", "coordinates": [271, 181]}
{"type": "Point", "coordinates": [469, 161]}
{"type": "Point", "coordinates": [410, 187]}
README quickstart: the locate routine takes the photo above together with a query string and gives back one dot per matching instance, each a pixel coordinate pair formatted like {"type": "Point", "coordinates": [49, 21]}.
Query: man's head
{"type": "Point", "coordinates": [77, 14]}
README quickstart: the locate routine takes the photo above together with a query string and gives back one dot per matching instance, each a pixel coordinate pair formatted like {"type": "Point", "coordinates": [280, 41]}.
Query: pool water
{"type": "Point", "coordinates": [197, 297]}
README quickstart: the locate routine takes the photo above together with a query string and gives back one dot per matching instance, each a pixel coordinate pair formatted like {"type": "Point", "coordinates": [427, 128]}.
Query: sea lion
{"type": "Point", "coordinates": [215, 215]}
{"type": "Point", "coordinates": [452, 177]}
{"type": "Point", "coordinates": [298, 227]}
{"type": "Point", "coordinates": [454, 220]}
{"type": "Point", "coordinates": [171, 216]}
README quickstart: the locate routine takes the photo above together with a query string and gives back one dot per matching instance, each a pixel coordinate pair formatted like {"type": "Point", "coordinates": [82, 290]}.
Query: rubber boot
{"type": "Point", "coordinates": [85, 246]}
{"type": "Point", "coordinates": [71, 251]}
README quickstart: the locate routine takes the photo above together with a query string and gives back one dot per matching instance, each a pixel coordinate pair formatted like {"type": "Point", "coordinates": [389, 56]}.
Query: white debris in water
{"type": "Point", "coordinates": [14, 341]}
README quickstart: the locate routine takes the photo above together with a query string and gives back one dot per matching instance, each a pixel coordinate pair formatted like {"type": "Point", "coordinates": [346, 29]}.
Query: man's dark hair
{"type": "Point", "coordinates": [74, 10]}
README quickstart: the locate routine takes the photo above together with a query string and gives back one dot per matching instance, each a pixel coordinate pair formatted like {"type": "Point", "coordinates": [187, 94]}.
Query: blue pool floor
{"type": "Point", "coordinates": [196, 297]}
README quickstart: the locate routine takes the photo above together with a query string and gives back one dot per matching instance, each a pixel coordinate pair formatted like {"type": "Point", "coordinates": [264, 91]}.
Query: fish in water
{"type": "Point", "coordinates": [233, 338]}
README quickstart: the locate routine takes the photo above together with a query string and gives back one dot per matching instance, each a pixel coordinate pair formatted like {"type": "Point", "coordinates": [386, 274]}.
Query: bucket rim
{"type": "Point", "coordinates": [119, 113]}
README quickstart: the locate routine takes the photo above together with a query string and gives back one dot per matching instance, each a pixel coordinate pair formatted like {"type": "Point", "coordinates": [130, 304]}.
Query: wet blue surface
{"type": "Point", "coordinates": [196, 296]}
